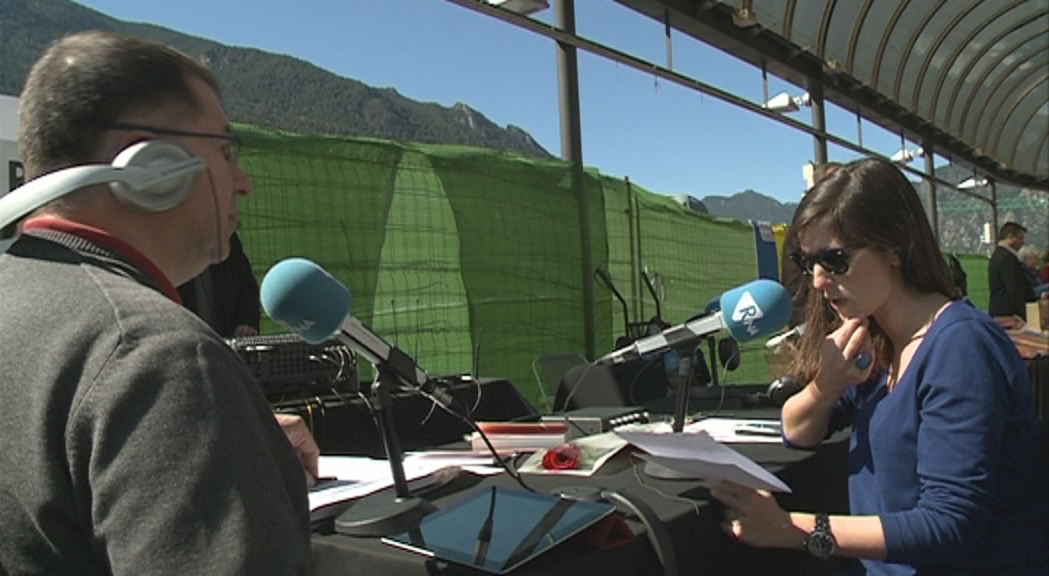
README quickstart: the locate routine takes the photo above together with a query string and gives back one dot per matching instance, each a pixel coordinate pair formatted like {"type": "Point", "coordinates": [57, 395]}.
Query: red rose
{"type": "Point", "coordinates": [564, 457]}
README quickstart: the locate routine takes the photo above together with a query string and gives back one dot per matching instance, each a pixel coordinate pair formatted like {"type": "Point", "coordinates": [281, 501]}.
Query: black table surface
{"type": "Point", "coordinates": [816, 477]}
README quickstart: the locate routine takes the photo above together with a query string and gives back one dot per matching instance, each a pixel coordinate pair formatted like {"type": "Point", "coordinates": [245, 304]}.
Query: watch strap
{"type": "Point", "coordinates": [821, 542]}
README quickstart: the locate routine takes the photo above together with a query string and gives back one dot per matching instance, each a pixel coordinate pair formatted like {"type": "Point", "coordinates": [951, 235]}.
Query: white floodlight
{"type": "Point", "coordinates": [905, 156]}
{"type": "Point", "coordinates": [524, 7]}
{"type": "Point", "coordinates": [972, 182]}
{"type": "Point", "coordinates": [784, 102]}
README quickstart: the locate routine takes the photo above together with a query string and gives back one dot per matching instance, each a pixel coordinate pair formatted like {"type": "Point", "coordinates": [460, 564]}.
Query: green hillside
{"type": "Point", "coordinates": [264, 89]}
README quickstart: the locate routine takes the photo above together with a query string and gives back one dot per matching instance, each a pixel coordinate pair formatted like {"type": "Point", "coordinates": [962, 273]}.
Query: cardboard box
{"type": "Point", "coordinates": [1038, 314]}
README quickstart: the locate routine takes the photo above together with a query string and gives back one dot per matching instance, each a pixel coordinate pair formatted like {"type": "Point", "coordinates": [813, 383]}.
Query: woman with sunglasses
{"type": "Point", "coordinates": [945, 465]}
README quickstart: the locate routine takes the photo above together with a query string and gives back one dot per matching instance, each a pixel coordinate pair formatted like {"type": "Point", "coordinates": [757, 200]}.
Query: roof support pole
{"type": "Point", "coordinates": [994, 212]}
{"type": "Point", "coordinates": [819, 122]}
{"type": "Point", "coordinates": [670, 47]}
{"type": "Point", "coordinates": [572, 151]}
{"type": "Point", "coordinates": [934, 218]}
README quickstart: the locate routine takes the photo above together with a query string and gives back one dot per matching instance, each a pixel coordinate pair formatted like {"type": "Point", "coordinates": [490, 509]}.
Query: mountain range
{"type": "Point", "coordinates": [287, 93]}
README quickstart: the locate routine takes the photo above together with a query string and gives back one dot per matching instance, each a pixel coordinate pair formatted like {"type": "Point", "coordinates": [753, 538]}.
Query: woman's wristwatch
{"type": "Point", "coordinates": [820, 542]}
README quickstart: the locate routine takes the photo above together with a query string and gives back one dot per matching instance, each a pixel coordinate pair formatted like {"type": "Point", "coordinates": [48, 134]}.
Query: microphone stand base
{"type": "Point", "coordinates": [383, 514]}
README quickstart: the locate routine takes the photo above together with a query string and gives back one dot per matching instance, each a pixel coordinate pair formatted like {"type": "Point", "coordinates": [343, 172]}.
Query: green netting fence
{"type": "Point", "coordinates": [470, 260]}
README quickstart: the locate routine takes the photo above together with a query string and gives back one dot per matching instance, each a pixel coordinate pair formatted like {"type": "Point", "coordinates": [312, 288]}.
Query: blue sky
{"type": "Point", "coordinates": [664, 137]}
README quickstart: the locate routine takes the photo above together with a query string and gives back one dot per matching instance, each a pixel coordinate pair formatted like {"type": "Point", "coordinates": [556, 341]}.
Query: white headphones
{"type": "Point", "coordinates": [152, 176]}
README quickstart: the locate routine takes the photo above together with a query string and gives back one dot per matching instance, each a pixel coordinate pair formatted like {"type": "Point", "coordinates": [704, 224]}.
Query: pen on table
{"type": "Point", "coordinates": [758, 429]}
{"type": "Point", "coordinates": [324, 483]}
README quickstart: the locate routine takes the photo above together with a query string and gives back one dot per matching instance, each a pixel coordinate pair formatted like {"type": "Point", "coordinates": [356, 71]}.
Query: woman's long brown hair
{"type": "Point", "coordinates": [867, 203]}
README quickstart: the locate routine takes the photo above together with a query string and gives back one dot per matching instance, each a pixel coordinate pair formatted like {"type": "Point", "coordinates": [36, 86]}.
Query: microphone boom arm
{"type": "Point", "coordinates": [652, 291]}
{"type": "Point", "coordinates": [607, 279]}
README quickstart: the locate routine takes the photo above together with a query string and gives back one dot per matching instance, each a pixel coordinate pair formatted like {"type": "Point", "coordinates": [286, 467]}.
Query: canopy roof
{"type": "Point", "coordinates": [970, 78]}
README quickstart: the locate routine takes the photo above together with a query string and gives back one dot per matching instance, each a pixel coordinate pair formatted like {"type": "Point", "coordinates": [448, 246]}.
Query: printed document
{"type": "Point", "coordinates": [697, 455]}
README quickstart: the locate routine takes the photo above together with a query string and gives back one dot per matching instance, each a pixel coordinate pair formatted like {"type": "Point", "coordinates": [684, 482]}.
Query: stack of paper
{"type": "Point", "coordinates": [359, 476]}
{"type": "Point", "coordinates": [739, 430]}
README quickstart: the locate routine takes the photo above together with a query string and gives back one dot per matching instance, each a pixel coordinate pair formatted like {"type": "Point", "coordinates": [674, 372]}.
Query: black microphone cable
{"type": "Point", "coordinates": [568, 398]}
{"type": "Point", "coordinates": [582, 379]}
{"type": "Point", "coordinates": [484, 437]}
{"type": "Point", "coordinates": [218, 219]}
{"type": "Point", "coordinates": [484, 535]}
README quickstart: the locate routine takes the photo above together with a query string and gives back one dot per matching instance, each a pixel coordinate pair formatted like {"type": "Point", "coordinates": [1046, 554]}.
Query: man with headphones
{"type": "Point", "coordinates": [133, 439]}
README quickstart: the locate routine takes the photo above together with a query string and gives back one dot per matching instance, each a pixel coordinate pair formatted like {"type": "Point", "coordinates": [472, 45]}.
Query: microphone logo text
{"type": "Point", "coordinates": [747, 313]}
{"type": "Point", "coordinates": [300, 327]}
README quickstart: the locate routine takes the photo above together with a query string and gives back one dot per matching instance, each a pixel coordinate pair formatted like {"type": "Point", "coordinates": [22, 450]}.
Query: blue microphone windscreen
{"type": "Point", "coordinates": [756, 309]}
{"type": "Point", "coordinates": [304, 297]}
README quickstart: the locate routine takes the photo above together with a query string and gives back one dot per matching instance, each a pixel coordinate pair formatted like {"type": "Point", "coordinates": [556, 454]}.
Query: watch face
{"type": "Point", "coordinates": [820, 545]}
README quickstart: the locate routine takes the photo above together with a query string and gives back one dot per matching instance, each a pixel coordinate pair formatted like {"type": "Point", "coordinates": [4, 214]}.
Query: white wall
{"type": "Point", "coordinates": [11, 173]}
{"type": "Point", "coordinates": [10, 165]}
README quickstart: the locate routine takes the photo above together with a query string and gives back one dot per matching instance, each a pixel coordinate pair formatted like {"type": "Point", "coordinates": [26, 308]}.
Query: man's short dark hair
{"type": "Point", "coordinates": [958, 276]}
{"type": "Point", "coordinates": [87, 81]}
{"type": "Point", "coordinates": [1010, 229]}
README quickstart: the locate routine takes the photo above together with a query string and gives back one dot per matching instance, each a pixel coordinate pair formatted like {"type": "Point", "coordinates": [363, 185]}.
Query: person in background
{"type": "Point", "coordinates": [1043, 272]}
{"type": "Point", "coordinates": [226, 295]}
{"type": "Point", "coordinates": [1028, 255]}
{"type": "Point", "coordinates": [1010, 287]}
{"type": "Point", "coordinates": [136, 441]}
{"type": "Point", "coordinates": [945, 465]}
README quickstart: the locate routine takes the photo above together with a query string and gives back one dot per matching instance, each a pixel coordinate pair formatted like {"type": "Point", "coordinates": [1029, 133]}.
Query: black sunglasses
{"type": "Point", "coordinates": [231, 149]}
{"type": "Point", "coordinates": [834, 260]}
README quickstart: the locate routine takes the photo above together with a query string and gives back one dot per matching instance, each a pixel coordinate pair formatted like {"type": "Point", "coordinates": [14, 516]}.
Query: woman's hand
{"type": "Point", "coordinates": [753, 517]}
{"type": "Point", "coordinates": [839, 367]}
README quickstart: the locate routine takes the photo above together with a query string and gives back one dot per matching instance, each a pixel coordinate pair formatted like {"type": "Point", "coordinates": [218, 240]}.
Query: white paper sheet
{"type": "Point", "coordinates": [360, 476]}
{"type": "Point", "coordinates": [472, 462]}
{"type": "Point", "coordinates": [721, 429]}
{"type": "Point", "coordinates": [697, 455]}
{"type": "Point", "coordinates": [728, 430]}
